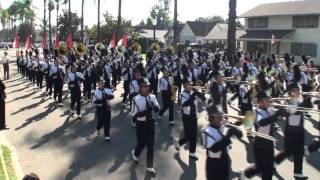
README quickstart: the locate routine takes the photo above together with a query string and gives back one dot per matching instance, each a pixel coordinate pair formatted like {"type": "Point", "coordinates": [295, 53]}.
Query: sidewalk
{"type": "Point", "coordinates": [14, 156]}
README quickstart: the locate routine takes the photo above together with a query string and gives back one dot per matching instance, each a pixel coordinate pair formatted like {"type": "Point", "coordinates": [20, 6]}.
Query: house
{"type": "Point", "coordinates": [169, 35]}
{"type": "Point", "coordinates": [277, 28]}
{"type": "Point", "coordinates": [218, 36]}
{"type": "Point", "coordinates": [148, 32]}
{"type": "Point", "coordinates": [194, 31]}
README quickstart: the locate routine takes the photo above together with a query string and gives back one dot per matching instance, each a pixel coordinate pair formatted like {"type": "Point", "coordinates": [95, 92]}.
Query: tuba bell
{"type": "Point", "coordinates": [120, 49]}
{"type": "Point", "coordinates": [155, 47]}
{"type": "Point", "coordinates": [98, 47]}
{"type": "Point", "coordinates": [63, 49]}
{"type": "Point", "coordinates": [80, 49]}
{"type": "Point", "coordinates": [136, 47]}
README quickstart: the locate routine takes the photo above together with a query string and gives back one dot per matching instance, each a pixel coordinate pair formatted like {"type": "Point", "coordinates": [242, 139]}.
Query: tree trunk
{"type": "Point", "coordinates": [98, 26]}
{"type": "Point", "coordinates": [57, 16]}
{"type": "Point", "coordinates": [44, 16]}
{"type": "Point", "coordinates": [175, 25]}
{"type": "Point", "coordinates": [69, 15]}
{"type": "Point", "coordinates": [232, 30]}
{"type": "Point", "coordinates": [119, 22]}
{"type": "Point", "coordinates": [82, 6]}
{"type": "Point", "coordinates": [50, 39]}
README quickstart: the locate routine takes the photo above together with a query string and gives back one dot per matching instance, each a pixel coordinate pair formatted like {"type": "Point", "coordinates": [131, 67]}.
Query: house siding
{"type": "Point", "coordinates": [300, 35]}
{"type": "Point", "coordinates": [187, 34]}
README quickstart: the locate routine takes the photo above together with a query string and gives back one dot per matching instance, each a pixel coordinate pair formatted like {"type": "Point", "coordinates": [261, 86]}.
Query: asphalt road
{"type": "Point", "coordinates": [52, 144]}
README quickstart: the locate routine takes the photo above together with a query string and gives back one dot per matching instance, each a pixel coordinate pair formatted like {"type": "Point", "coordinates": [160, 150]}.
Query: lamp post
{"type": "Point", "coordinates": [154, 23]}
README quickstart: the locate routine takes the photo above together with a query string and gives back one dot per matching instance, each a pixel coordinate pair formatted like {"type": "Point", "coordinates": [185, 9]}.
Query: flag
{"type": "Point", "coordinates": [273, 39]}
{"type": "Point", "coordinates": [57, 41]}
{"type": "Point", "coordinates": [123, 40]}
{"type": "Point", "coordinates": [16, 41]}
{"type": "Point", "coordinates": [28, 42]}
{"type": "Point", "coordinates": [69, 41]}
{"type": "Point", "coordinates": [113, 41]}
{"type": "Point", "coordinates": [44, 40]}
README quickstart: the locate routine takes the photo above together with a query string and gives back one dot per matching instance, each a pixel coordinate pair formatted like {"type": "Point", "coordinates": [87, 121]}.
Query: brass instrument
{"type": "Point", "coordinates": [174, 90]}
{"type": "Point", "coordinates": [63, 49]}
{"type": "Point", "coordinates": [80, 49]}
{"type": "Point", "coordinates": [120, 49]}
{"type": "Point", "coordinates": [258, 134]}
{"type": "Point", "coordinates": [300, 109]}
{"type": "Point", "coordinates": [199, 83]}
{"type": "Point", "coordinates": [136, 47]}
{"type": "Point", "coordinates": [155, 47]}
{"type": "Point", "coordinates": [98, 47]}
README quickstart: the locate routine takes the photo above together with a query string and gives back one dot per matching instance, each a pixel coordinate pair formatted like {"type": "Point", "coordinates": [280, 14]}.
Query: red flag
{"type": "Point", "coordinates": [57, 41]}
{"type": "Point", "coordinates": [28, 42]}
{"type": "Point", "coordinates": [44, 40]}
{"type": "Point", "coordinates": [124, 40]}
{"type": "Point", "coordinates": [113, 41]}
{"type": "Point", "coordinates": [69, 41]}
{"type": "Point", "coordinates": [16, 41]}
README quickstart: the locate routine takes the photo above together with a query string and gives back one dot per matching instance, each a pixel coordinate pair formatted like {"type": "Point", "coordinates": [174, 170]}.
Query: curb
{"type": "Point", "coordinates": [3, 165]}
{"type": "Point", "coordinates": [15, 159]}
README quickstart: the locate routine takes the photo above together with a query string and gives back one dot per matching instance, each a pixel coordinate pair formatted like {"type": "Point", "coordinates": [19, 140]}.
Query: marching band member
{"type": "Point", "coordinates": [88, 80]}
{"type": "Point", "coordinates": [263, 148]}
{"type": "Point", "coordinates": [189, 118]}
{"type": "Point", "coordinates": [165, 85]}
{"type": "Point", "coordinates": [127, 73]}
{"type": "Point", "coordinates": [216, 140]}
{"type": "Point", "coordinates": [58, 75]}
{"type": "Point", "coordinates": [294, 133]}
{"type": "Point", "coordinates": [143, 106]}
{"type": "Point", "coordinates": [101, 98]}
{"type": "Point", "coordinates": [74, 79]}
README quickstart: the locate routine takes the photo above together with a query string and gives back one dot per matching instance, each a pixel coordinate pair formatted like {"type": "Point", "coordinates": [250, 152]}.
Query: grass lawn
{"type": "Point", "coordinates": [1, 171]}
{"type": "Point", "coordinates": [8, 162]}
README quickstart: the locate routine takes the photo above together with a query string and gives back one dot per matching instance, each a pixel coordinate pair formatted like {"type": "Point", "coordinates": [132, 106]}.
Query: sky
{"type": "Point", "coordinates": [136, 10]}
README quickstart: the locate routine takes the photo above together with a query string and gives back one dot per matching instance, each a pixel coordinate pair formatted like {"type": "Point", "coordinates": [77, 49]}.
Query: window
{"type": "Point", "coordinates": [258, 23]}
{"type": "Point", "coordinates": [308, 49]}
{"type": "Point", "coordinates": [305, 21]}
{"type": "Point", "coordinates": [261, 47]}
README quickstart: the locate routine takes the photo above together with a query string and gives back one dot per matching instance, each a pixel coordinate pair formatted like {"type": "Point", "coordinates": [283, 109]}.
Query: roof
{"type": "Point", "coordinates": [147, 33]}
{"type": "Point", "coordinates": [305, 7]}
{"type": "Point", "coordinates": [180, 26]}
{"type": "Point", "coordinates": [220, 32]}
{"type": "Point", "coordinates": [266, 34]}
{"type": "Point", "coordinates": [139, 28]}
{"type": "Point", "coordinates": [200, 28]}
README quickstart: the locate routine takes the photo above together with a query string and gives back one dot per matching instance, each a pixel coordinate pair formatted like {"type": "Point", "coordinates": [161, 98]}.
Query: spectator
{"type": "Point", "coordinates": [31, 176]}
{"type": "Point", "coordinates": [2, 106]}
{"type": "Point", "coordinates": [5, 62]}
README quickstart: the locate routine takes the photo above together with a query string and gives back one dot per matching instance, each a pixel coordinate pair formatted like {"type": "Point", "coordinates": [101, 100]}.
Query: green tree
{"type": "Point", "coordinates": [64, 27]}
{"type": "Point", "coordinates": [232, 30]}
{"type": "Point", "coordinates": [160, 12]}
{"type": "Point", "coordinates": [215, 19]}
{"type": "Point", "coordinates": [109, 27]}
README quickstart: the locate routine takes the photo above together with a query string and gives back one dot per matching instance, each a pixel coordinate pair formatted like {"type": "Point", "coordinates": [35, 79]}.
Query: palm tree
{"type": "Point", "coordinates": [50, 8]}
{"type": "Point", "coordinates": [44, 17]}
{"type": "Point", "coordinates": [175, 24]}
{"type": "Point", "coordinates": [119, 21]}
{"type": "Point", "coordinates": [57, 8]}
{"type": "Point", "coordinates": [4, 18]}
{"type": "Point", "coordinates": [232, 30]}
{"type": "Point", "coordinates": [82, 7]}
{"type": "Point", "coordinates": [98, 25]}
{"type": "Point", "coordinates": [69, 9]}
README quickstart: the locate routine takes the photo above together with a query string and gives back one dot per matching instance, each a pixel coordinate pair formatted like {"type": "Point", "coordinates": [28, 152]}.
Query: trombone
{"type": "Point", "coordinates": [248, 121]}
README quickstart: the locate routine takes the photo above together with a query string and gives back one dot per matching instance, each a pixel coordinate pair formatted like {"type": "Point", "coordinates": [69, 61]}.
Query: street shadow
{"type": "Point", "coordinates": [23, 97]}
{"type": "Point", "coordinates": [189, 171]}
{"type": "Point", "coordinates": [32, 106]}
{"type": "Point", "coordinates": [50, 108]}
